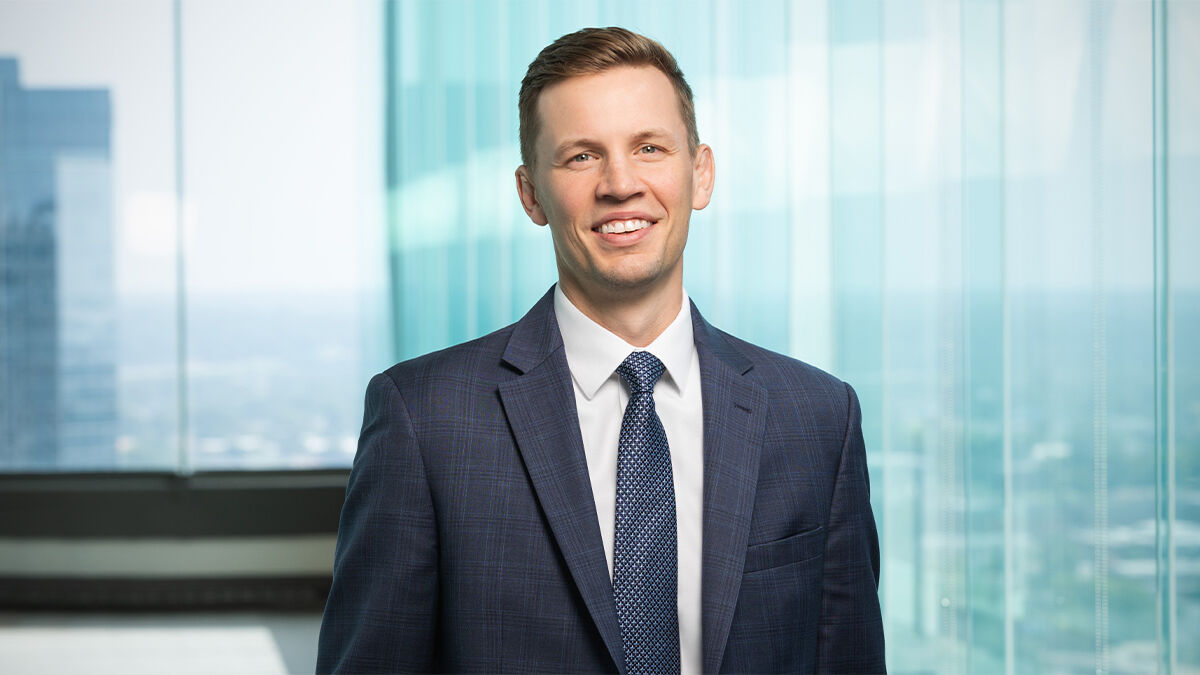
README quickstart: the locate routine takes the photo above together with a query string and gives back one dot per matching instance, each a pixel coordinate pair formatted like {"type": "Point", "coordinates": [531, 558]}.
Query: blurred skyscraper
{"type": "Point", "coordinates": [57, 305]}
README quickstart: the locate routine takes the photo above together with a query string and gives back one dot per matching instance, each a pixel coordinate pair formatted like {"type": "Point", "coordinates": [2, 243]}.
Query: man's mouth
{"type": "Point", "coordinates": [623, 226]}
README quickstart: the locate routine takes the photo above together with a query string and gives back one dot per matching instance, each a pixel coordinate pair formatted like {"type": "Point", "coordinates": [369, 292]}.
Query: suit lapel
{"type": "Point", "coordinates": [734, 424]}
{"type": "Point", "coordinates": [540, 405]}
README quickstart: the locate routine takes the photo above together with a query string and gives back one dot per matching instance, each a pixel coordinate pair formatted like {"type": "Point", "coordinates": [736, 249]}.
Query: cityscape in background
{"type": "Point", "coordinates": [85, 381]}
{"type": "Point", "coordinates": [58, 319]}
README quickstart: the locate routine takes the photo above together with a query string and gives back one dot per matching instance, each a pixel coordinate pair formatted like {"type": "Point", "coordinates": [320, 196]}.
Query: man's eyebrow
{"type": "Point", "coordinates": [572, 143]}
{"type": "Point", "coordinates": [653, 133]}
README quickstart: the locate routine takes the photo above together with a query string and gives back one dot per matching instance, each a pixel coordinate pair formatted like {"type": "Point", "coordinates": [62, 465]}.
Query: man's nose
{"type": "Point", "coordinates": [620, 180]}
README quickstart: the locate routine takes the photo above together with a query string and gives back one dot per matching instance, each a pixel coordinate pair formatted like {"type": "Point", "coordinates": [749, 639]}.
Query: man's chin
{"type": "Point", "coordinates": [621, 283]}
{"type": "Point", "coordinates": [631, 286]}
{"type": "Point", "coordinates": [631, 278]}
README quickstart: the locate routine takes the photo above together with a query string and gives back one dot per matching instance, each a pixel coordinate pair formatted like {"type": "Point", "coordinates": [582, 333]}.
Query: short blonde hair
{"type": "Point", "coordinates": [589, 51]}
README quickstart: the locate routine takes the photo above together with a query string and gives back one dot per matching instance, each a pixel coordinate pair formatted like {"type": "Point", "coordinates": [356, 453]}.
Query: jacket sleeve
{"type": "Point", "coordinates": [381, 615]}
{"type": "Point", "coordinates": [850, 634]}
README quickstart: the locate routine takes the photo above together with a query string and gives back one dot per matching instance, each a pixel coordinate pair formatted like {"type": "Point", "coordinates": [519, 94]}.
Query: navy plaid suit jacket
{"type": "Point", "coordinates": [469, 540]}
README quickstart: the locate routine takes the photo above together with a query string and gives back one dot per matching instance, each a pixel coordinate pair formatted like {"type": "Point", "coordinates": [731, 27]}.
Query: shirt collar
{"type": "Point", "coordinates": [593, 352]}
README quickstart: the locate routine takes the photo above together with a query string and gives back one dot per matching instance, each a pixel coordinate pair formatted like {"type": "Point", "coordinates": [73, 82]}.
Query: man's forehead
{"type": "Point", "coordinates": [626, 99]}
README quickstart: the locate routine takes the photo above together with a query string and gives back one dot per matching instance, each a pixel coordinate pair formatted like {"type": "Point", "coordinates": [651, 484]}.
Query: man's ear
{"type": "Point", "coordinates": [704, 174]}
{"type": "Point", "coordinates": [528, 196]}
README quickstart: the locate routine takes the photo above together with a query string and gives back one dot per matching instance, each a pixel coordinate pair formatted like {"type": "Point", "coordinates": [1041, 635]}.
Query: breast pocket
{"type": "Point", "coordinates": [799, 547]}
{"type": "Point", "coordinates": [774, 627]}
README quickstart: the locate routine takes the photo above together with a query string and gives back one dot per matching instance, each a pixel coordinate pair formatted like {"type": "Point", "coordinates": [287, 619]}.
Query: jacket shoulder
{"type": "Point", "coordinates": [781, 364]}
{"type": "Point", "coordinates": [478, 361]}
{"type": "Point", "coordinates": [787, 378]}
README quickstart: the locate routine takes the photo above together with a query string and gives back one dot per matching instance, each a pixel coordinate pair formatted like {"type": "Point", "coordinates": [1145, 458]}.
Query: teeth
{"type": "Point", "coordinates": [620, 226]}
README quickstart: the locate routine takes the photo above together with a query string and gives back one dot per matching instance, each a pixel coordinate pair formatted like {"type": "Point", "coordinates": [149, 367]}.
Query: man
{"type": "Point", "coordinates": [610, 484]}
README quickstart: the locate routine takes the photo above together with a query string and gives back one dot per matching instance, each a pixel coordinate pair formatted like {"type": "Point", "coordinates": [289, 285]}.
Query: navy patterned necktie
{"type": "Point", "coordinates": [644, 552]}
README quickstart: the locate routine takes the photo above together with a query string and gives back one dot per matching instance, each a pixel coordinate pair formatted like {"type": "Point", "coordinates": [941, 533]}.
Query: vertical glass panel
{"type": "Point", "coordinates": [1078, 147]}
{"type": "Point", "coordinates": [1047, 211]}
{"type": "Point", "coordinates": [87, 237]}
{"type": "Point", "coordinates": [807, 129]}
{"type": "Point", "coordinates": [856, 61]}
{"type": "Point", "coordinates": [283, 198]}
{"type": "Point", "coordinates": [1182, 116]}
{"type": "Point", "coordinates": [744, 234]}
{"type": "Point", "coordinates": [1121, 79]}
{"type": "Point", "coordinates": [856, 210]}
{"type": "Point", "coordinates": [464, 258]}
{"type": "Point", "coordinates": [917, 480]}
{"type": "Point", "coordinates": [983, 322]}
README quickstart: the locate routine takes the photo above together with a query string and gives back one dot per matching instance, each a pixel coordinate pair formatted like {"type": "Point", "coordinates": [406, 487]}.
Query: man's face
{"type": "Point", "coordinates": [615, 181]}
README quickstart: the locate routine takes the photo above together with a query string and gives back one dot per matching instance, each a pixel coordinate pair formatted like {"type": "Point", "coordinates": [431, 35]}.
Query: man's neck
{"type": "Point", "coordinates": [637, 318]}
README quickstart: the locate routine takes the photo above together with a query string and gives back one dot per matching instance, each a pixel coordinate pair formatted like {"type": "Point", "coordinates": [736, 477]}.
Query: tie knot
{"type": "Point", "coordinates": [640, 370]}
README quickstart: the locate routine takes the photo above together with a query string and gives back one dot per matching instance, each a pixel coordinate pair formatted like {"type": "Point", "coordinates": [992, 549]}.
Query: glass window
{"type": "Point", "coordinates": [191, 243]}
{"type": "Point", "coordinates": [87, 150]}
{"type": "Point", "coordinates": [282, 129]}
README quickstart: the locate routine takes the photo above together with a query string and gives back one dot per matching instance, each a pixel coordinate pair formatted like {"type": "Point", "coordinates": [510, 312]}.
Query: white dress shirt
{"type": "Point", "coordinates": [593, 354]}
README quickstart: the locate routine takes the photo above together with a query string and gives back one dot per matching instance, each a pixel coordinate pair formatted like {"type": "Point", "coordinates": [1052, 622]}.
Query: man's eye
{"type": "Point", "coordinates": [581, 157]}
{"type": "Point", "coordinates": [648, 149]}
